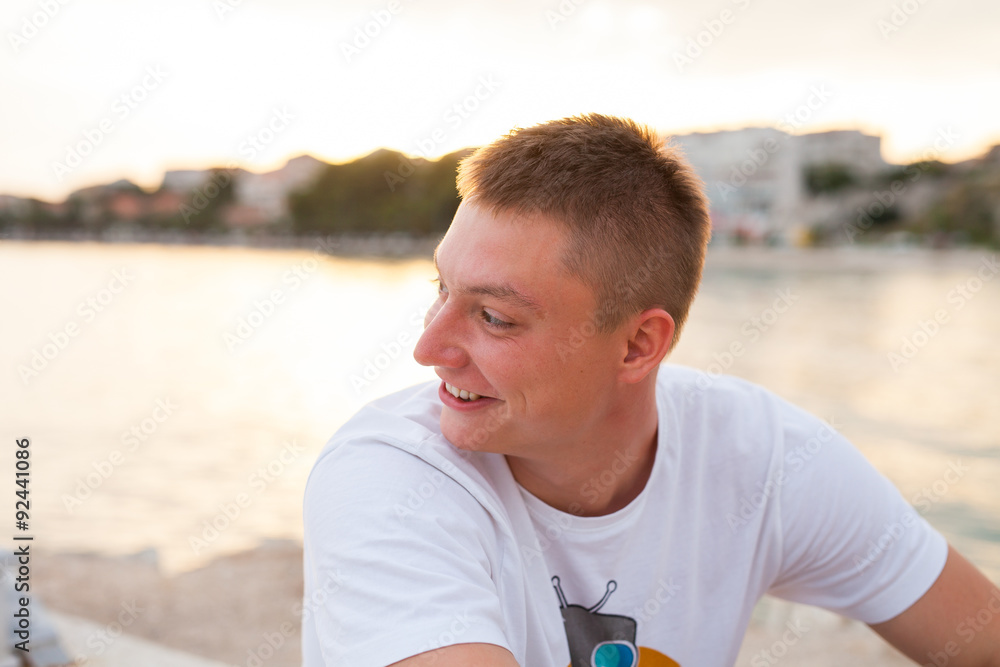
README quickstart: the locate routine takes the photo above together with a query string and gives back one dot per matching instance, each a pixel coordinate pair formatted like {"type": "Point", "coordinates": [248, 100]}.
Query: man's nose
{"type": "Point", "coordinates": [440, 343]}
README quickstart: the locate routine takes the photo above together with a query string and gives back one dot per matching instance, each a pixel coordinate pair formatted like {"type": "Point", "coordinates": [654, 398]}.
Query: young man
{"type": "Point", "coordinates": [557, 497]}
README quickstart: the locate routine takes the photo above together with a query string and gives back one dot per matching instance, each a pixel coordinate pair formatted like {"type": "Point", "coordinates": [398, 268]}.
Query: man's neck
{"type": "Point", "coordinates": [602, 475]}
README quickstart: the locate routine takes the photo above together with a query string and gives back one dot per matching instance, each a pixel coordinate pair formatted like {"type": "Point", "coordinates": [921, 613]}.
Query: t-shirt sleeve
{"type": "Point", "coordinates": [398, 560]}
{"type": "Point", "coordinates": [849, 542]}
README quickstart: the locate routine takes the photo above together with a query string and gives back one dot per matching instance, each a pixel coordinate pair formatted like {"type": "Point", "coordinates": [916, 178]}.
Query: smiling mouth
{"type": "Point", "coordinates": [462, 394]}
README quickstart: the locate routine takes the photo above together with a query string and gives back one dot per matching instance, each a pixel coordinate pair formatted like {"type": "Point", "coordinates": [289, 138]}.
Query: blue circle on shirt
{"type": "Point", "coordinates": [617, 654]}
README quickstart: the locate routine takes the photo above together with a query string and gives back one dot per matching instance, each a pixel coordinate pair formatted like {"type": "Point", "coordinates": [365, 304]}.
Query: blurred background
{"type": "Point", "coordinates": [216, 222]}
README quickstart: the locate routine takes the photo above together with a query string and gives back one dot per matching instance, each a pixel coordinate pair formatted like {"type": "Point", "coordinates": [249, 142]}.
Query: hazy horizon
{"type": "Point", "coordinates": [155, 184]}
{"type": "Point", "coordinates": [185, 85]}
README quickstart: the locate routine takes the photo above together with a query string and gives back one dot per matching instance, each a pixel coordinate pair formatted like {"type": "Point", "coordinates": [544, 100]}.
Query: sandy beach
{"type": "Point", "coordinates": [243, 610]}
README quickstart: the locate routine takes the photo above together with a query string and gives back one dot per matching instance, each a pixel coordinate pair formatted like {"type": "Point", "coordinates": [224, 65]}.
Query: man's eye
{"type": "Point", "coordinates": [495, 322]}
{"type": "Point", "coordinates": [491, 321]}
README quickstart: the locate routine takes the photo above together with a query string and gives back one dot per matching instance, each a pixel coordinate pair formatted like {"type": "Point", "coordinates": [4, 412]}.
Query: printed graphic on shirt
{"type": "Point", "coordinates": [604, 640]}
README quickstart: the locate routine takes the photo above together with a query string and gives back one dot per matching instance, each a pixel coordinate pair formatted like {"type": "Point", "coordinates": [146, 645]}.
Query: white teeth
{"type": "Point", "coordinates": [461, 393]}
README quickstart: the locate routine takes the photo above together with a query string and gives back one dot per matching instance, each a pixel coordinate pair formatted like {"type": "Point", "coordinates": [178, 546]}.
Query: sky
{"type": "Point", "coordinates": [97, 90]}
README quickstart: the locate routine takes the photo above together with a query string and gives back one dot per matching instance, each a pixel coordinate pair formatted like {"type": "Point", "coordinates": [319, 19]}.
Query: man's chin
{"type": "Point", "coordinates": [474, 435]}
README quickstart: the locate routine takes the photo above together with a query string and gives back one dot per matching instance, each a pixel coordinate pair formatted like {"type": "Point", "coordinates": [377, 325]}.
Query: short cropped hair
{"type": "Point", "coordinates": [635, 211]}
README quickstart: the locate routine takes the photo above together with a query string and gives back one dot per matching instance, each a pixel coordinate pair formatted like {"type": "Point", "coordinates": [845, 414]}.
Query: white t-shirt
{"type": "Point", "coordinates": [411, 544]}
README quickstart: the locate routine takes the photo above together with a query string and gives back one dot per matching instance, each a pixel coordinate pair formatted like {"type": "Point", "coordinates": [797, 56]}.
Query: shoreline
{"type": "Point", "coordinates": [719, 257]}
{"type": "Point", "coordinates": [222, 611]}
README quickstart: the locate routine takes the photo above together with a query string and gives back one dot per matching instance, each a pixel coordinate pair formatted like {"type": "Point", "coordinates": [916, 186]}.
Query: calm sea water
{"type": "Point", "coordinates": [167, 388]}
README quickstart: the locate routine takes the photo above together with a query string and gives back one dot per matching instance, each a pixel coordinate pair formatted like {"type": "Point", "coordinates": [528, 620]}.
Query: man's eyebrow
{"type": "Point", "coordinates": [501, 291]}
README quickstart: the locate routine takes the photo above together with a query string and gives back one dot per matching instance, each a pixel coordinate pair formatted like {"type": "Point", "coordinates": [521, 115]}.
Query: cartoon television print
{"type": "Point", "coordinates": [597, 640]}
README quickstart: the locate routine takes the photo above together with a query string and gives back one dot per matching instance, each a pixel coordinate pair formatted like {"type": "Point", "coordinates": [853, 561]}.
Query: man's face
{"type": "Point", "coordinates": [511, 326]}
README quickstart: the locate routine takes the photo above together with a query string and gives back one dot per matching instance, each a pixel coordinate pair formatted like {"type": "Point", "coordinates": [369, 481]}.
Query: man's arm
{"type": "Point", "coordinates": [955, 623]}
{"type": "Point", "coordinates": [462, 655]}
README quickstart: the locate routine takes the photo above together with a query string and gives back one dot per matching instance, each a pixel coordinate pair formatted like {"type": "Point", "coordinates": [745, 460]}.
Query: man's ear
{"type": "Point", "coordinates": [651, 337]}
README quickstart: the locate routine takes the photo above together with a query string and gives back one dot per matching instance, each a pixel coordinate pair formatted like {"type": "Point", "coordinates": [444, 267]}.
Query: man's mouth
{"type": "Point", "coordinates": [462, 394]}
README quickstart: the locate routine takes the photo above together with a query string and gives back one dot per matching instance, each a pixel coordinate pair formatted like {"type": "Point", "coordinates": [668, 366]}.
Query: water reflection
{"type": "Point", "coordinates": [262, 354]}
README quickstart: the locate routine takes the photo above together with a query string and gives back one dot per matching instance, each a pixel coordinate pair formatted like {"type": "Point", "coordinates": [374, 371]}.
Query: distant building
{"type": "Point", "coordinates": [750, 175]}
{"type": "Point", "coordinates": [861, 152]}
{"type": "Point", "coordinates": [15, 207]}
{"type": "Point", "coordinates": [126, 206]}
{"type": "Point", "coordinates": [264, 197]}
{"type": "Point", "coordinates": [240, 216]}
{"type": "Point", "coordinates": [166, 202]}
{"type": "Point", "coordinates": [184, 181]}
{"type": "Point", "coordinates": [754, 177]}
{"type": "Point", "coordinates": [258, 199]}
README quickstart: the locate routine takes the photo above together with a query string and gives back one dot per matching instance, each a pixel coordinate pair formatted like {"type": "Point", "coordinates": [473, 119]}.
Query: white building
{"type": "Point", "coordinates": [755, 177]}
{"type": "Point", "coordinates": [268, 193]}
{"type": "Point", "coordinates": [259, 199]}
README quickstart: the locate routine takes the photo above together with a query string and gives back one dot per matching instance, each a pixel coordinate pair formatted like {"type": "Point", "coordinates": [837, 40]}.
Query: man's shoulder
{"type": "Point", "coordinates": [418, 404]}
{"type": "Point", "coordinates": [392, 449]}
{"type": "Point", "coordinates": [742, 414]}
{"type": "Point", "coordinates": [679, 378]}
{"type": "Point", "coordinates": [407, 416]}
{"type": "Point", "coordinates": [686, 390]}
